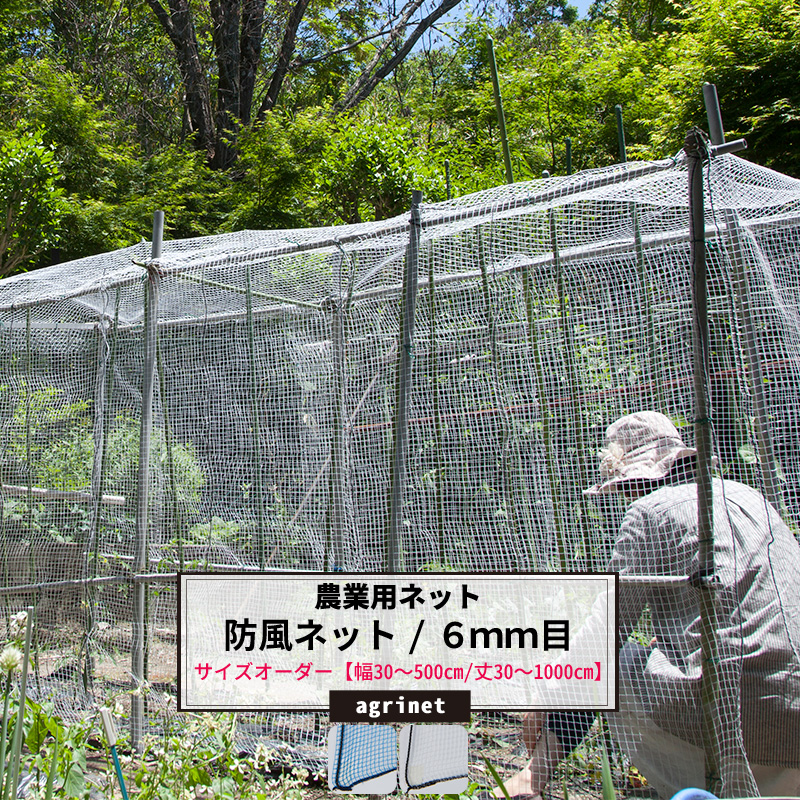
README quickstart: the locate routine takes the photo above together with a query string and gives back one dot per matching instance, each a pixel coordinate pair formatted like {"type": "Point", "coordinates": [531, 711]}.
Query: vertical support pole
{"type": "Point", "coordinates": [28, 450]}
{"type": "Point", "coordinates": [258, 482]}
{"type": "Point", "coordinates": [103, 384]}
{"type": "Point", "coordinates": [169, 443]}
{"type": "Point", "coordinates": [568, 144]}
{"type": "Point", "coordinates": [697, 152]}
{"type": "Point", "coordinates": [727, 769]}
{"type": "Point", "coordinates": [713, 114]}
{"type": "Point", "coordinates": [547, 437]}
{"type": "Point", "coordinates": [437, 414]}
{"type": "Point", "coordinates": [650, 323]}
{"type": "Point", "coordinates": [566, 314]}
{"type": "Point", "coordinates": [410, 279]}
{"type": "Point", "coordinates": [143, 481]}
{"type": "Point", "coordinates": [100, 435]}
{"type": "Point", "coordinates": [334, 557]}
{"type": "Point", "coordinates": [501, 117]}
{"type": "Point", "coordinates": [498, 398]}
{"type": "Point", "coordinates": [623, 153]}
{"type": "Point", "coordinates": [447, 179]}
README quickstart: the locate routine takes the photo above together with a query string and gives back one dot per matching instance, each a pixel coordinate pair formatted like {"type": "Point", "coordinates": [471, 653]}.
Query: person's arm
{"type": "Point", "coordinates": [628, 558]}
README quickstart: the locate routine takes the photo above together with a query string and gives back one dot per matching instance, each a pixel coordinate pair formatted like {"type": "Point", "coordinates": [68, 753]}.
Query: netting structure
{"type": "Point", "coordinates": [362, 753]}
{"type": "Point", "coordinates": [431, 755]}
{"type": "Point", "coordinates": [426, 392]}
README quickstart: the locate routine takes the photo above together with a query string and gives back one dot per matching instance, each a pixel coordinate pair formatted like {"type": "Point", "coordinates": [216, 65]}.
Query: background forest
{"type": "Point", "coordinates": [233, 114]}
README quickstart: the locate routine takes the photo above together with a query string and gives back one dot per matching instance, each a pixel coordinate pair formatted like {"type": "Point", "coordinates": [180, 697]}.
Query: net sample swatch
{"type": "Point", "coordinates": [361, 753]}
{"type": "Point", "coordinates": [432, 754]}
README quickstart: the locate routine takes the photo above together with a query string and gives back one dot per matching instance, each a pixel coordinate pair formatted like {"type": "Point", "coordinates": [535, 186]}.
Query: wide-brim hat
{"type": "Point", "coordinates": [639, 447]}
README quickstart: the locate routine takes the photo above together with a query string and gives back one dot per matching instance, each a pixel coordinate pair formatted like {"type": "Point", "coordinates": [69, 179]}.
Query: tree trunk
{"type": "Point", "coordinates": [368, 79]}
{"type": "Point", "coordinates": [250, 54]}
{"type": "Point", "coordinates": [284, 57]}
{"type": "Point", "coordinates": [178, 25]}
{"type": "Point", "coordinates": [225, 15]}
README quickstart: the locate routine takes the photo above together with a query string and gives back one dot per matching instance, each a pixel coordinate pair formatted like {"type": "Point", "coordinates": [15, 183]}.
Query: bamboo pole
{"type": "Point", "coordinates": [393, 550]}
{"type": "Point", "coordinates": [501, 117]}
{"type": "Point", "coordinates": [150, 343]}
{"type": "Point", "coordinates": [249, 292]}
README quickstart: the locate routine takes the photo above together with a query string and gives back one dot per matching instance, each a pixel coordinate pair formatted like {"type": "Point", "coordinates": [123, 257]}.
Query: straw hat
{"type": "Point", "coordinates": [641, 446]}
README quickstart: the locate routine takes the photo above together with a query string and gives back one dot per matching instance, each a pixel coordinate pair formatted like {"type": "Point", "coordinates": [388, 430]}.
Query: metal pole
{"type": "Point", "coordinates": [403, 388]}
{"type": "Point", "coordinates": [501, 117]}
{"type": "Point", "coordinates": [567, 323]}
{"type": "Point", "coordinates": [623, 153]}
{"type": "Point", "coordinates": [713, 113]}
{"type": "Point", "coordinates": [143, 481]}
{"type": "Point", "coordinates": [545, 173]}
{"type": "Point", "coordinates": [258, 480]}
{"type": "Point", "coordinates": [724, 754]}
{"type": "Point", "coordinates": [335, 556]}
{"type": "Point", "coordinates": [447, 179]}
{"type": "Point", "coordinates": [568, 143]}
{"type": "Point", "coordinates": [697, 152]}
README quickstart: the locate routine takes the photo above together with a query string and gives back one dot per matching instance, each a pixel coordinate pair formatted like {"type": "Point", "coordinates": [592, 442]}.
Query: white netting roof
{"type": "Point", "coordinates": [299, 265]}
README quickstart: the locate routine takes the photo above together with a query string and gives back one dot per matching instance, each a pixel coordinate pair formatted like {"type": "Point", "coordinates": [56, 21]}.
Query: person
{"type": "Point", "coordinates": [757, 580]}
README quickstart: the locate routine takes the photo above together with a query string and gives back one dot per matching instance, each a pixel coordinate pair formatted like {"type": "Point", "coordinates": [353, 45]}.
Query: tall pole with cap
{"type": "Point", "coordinates": [727, 771]}
{"type": "Point", "coordinates": [393, 559]}
{"type": "Point", "coordinates": [150, 344]}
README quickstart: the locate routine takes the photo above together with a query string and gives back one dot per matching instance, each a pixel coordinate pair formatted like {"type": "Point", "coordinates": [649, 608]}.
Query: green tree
{"type": "Point", "coordinates": [275, 182]}
{"type": "Point", "coordinates": [32, 200]}
{"type": "Point", "coordinates": [369, 168]}
{"type": "Point", "coordinates": [751, 51]}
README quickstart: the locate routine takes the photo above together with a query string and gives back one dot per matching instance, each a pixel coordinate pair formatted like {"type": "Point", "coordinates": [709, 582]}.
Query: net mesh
{"type": "Point", "coordinates": [360, 753]}
{"type": "Point", "coordinates": [431, 754]}
{"type": "Point", "coordinates": [544, 311]}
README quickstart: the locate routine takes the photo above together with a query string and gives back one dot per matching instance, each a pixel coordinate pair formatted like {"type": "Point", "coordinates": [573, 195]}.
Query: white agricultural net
{"type": "Point", "coordinates": [544, 311]}
{"type": "Point", "coordinates": [432, 754]}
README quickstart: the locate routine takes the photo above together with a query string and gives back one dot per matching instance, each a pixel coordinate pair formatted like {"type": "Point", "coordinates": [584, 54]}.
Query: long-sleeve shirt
{"type": "Point", "coordinates": [757, 564]}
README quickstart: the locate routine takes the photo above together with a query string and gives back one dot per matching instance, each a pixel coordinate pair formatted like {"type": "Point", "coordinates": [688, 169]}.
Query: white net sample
{"type": "Point", "coordinates": [544, 311]}
{"type": "Point", "coordinates": [432, 754]}
{"type": "Point", "coordinates": [361, 753]}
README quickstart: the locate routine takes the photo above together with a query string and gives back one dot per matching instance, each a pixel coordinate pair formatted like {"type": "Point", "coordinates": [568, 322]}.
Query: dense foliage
{"type": "Point", "coordinates": [231, 114]}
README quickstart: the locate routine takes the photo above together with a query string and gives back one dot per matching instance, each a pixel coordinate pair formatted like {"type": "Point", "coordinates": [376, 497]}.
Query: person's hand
{"type": "Point", "coordinates": [532, 724]}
